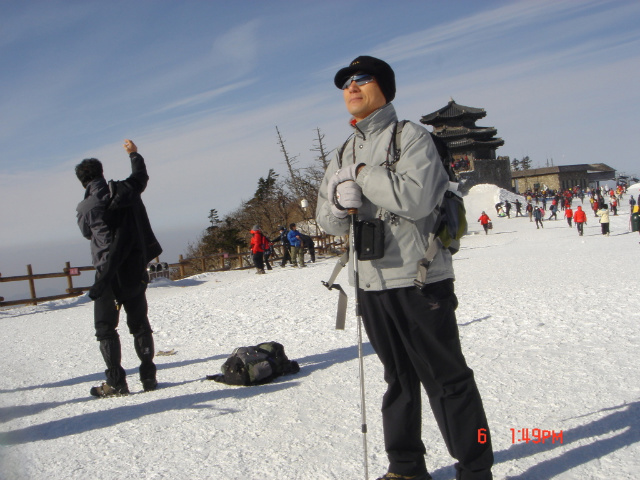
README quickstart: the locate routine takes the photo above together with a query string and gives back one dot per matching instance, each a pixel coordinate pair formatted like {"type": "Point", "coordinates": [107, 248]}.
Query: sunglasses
{"type": "Point", "coordinates": [360, 79]}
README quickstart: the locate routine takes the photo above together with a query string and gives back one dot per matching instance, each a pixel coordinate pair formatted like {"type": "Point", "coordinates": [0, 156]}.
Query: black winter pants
{"type": "Point", "coordinates": [258, 260]}
{"type": "Point", "coordinates": [106, 319]}
{"type": "Point", "coordinates": [415, 335]}
{"type": "Point", "coordinates": [286, 255]}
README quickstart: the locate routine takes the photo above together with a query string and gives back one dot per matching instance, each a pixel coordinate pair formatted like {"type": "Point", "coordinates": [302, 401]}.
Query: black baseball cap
{"type": "Point", "coordinates": [373, 66]}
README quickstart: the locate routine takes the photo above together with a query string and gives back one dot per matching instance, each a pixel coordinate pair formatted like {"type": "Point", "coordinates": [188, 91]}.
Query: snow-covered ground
{"type": "Point", "coordinates": [548, 321]}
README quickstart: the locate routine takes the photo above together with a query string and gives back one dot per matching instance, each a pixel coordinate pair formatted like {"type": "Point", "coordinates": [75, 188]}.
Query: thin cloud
{"type": "Point", "coordinates": [236, 51]}
{"type": "Point", "coordinates": [205, 97]}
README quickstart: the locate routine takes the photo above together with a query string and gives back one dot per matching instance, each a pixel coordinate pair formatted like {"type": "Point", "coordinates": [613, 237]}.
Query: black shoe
{"type": "Point", "coordinates": [106, 390]}
{"type": "Point", "coordinates": [149, 384]}
{"type": "Point", "coordinates": [395, 476]}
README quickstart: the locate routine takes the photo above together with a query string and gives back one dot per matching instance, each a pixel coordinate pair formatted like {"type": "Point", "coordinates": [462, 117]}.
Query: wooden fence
{"type": "Point", "coordinates": [325, 244]}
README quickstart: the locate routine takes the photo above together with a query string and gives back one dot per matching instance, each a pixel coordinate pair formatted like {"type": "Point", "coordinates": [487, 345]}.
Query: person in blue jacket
{"type": "Point", "coordinates": [297, 250]}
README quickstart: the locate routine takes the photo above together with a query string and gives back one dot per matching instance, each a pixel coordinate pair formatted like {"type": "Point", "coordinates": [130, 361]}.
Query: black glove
{"type": "Point", "coordinates": [97, 290]}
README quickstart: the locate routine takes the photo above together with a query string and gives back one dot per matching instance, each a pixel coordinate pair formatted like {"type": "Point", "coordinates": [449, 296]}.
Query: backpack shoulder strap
{"type": "Point", "coordinates": [395, 144]}
{"type": "Point", "coordinates": [341, 150]}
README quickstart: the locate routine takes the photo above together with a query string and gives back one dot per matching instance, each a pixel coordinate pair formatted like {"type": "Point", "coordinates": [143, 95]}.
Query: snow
{"type": "Point", "coordinates": [548, 321]}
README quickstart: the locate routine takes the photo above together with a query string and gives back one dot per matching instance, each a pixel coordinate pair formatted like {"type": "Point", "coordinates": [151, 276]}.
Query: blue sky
{"type": "Point", "coordinates": [200, 86]}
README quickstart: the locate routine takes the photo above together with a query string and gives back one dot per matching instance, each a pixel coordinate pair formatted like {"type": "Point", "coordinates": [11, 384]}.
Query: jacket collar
{"type": "Point", "coordinates": [378, 120]}
{"type": "Point", "coordinates": [97, 187]}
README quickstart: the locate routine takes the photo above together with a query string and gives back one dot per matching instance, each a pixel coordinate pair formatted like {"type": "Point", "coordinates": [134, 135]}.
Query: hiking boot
{"type": "Point", "coordinates": [149, 384]}
{"type": "Point", "coordinates": [106, 390]}
{"type": "Point", "coordinates": [395, 476]}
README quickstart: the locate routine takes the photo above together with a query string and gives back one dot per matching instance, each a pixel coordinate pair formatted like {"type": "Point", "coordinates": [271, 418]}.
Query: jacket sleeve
{"type": "Point", "coordinates": [418, 183]}
{"type": "Point", "coordinates": [94, 228]}
{"type": "Point", "coordinates": [124, 193]}
{"type": "Point", "coordinates": [327, 220]}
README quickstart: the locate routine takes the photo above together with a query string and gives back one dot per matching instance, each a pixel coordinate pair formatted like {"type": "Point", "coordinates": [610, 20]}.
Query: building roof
{"type": "Point", "coordinates": [583, 167]}
{"type": "Point", "coordinates": [450, 133]}
{"type": "Point", "coordinates": [465, 143]}
{"type": "Point", "coordinates": [452, 110]}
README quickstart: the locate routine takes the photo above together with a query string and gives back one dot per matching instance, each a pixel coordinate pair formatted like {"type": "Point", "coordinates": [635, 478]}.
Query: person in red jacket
{"type": "Point", "coordinates": [568, 214]}
{"type": "Point", "coordinates": [257, 248]}
{"type": "Point", "coordinates": [580, 219]}
{"type": "Point", "coordinates": [484, 221]}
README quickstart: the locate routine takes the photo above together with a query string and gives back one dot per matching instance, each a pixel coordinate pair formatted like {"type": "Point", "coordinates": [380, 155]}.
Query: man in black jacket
{"type": "Point", "coordinates": [307, 242]}
{"type": "Point", "coordinates": [286, 246]}
{"type": "Point", "coordinates": [114, 218]}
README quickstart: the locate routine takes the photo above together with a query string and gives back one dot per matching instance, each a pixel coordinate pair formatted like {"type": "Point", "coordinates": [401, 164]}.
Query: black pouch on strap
{"type": "Point", "coordinates": [370, 239]}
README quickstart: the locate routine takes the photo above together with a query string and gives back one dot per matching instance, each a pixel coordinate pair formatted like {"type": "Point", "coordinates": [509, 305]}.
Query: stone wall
{"type": "Point", "coordinates": [492, 171]}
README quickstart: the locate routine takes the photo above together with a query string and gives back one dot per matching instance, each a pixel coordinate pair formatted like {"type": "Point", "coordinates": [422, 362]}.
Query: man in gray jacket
{"type": "Point", "coordinates": [412, 330]}
{"type": "Point", "coordinates": [114, 218]}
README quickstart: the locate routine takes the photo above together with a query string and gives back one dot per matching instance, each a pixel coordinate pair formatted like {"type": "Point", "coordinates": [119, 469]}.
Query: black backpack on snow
{"type": "Point", "coordinates": [255, 365]}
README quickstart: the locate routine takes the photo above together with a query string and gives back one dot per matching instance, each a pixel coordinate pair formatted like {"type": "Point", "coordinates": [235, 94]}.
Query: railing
{"type": "Point", "coordinates": [68, 272]}
{"type": "Point", "coordinates": [183, 268]}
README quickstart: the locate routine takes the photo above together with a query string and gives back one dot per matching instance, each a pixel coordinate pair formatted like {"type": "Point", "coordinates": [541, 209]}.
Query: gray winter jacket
{"type": "Point", "coordinates": [405, 197]}
{"type": "Point", "coordinates": [91, 220]}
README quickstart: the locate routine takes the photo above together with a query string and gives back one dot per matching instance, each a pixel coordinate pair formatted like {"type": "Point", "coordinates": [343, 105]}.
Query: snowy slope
{"type": "Point", "coordinates": [548, 321]}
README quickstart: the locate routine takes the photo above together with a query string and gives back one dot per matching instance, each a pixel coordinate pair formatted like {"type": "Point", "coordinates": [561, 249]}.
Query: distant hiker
{"type": "Point", "coordinates": [484, 221]}
{"type": "Point", "coordinates": [297, 250]}
{"type": "Point", "coordinates": [580, 219]}
{"type": "Point", "coordinates": [268, 250]}
{"type": "Point", "coordinates": [538, 215]}
{"type": "Point", "coordinates": [518, 208]}
{"type": "Point", "coordinates": [257, 248]}
{"type": "Point", "coordinates": [568, 214]}
{"type": "Point", "coordinates": [632, 203]}
{"type": "Point", "coordinates": [286, 246]}
{"type": "Point", "coordinates": [412, 330]}
{"type": "Point", "coordinates": [614, 206]}
{"type": "Point", "coordinates": [634, 219]}
{"type": "Point", "coordinates": [307, 242]}
{"type": "Point", "coordinates": [529, 210]}
{"type": "Point", "coordinates": [498, 208]}
{"type": "Point", "coordinates": [554, 211]}
{"type": "Point", "coordinates": [603, 213]}
{"type": "Point", "coordinates": [507, 208]}
{"type": "Point", "coordinates": [114, 218]}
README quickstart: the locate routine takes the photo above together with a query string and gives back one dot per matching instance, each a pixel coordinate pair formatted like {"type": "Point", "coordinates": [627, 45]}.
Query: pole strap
{"type": "Point", "coordinates": [435, 244]}
{"type": "Point", "coordinates": [341, 313]}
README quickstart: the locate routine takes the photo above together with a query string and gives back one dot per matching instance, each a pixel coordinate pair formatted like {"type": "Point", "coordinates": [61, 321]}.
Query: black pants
{"type": "Point", "coordinates": [258, 260]}
{"type": "Point", "coordinates": [580, 226]}
{"type": "Point", "coordinates": [604, 227]}
{"type": "Point", "coordinates": [416, 338]}
{"type": "Point", "coordinates": [106, 319]}
{"type": "Point", "coordinates": [286, 255]}
{"type": "Point", "coordinates": [312, 252]}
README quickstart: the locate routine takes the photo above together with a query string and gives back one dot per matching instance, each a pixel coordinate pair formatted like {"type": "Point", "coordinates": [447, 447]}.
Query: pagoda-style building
{"type": "Point", "coordinates": [473, 148]}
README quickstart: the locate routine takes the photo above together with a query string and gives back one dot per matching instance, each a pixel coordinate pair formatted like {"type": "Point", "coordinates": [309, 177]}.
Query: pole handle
{"type": "Point", "coordinates": [352, 211]}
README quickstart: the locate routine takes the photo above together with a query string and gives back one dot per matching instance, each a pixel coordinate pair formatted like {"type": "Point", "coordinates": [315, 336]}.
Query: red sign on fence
{"type": "Point", "coordinates": [74, 271]}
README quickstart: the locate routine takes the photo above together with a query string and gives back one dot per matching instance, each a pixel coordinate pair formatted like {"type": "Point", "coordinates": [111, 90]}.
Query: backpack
{"type": "Point", "coordinates": [266, 245]}
{"type": "Point", "coordinates": [255, 365]}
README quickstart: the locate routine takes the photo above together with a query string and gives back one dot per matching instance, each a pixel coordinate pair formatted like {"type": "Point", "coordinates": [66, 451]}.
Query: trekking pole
{"type": "Point", "coordinates": [353, 212]}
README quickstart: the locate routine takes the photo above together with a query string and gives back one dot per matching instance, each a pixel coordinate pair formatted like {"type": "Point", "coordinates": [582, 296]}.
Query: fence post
{"type": "Point", "coordinates": [67, 266]}
{"type": "Point", "coordinates": [181, 267]}
{"type": "Point", "coordinates": [32, 284]}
